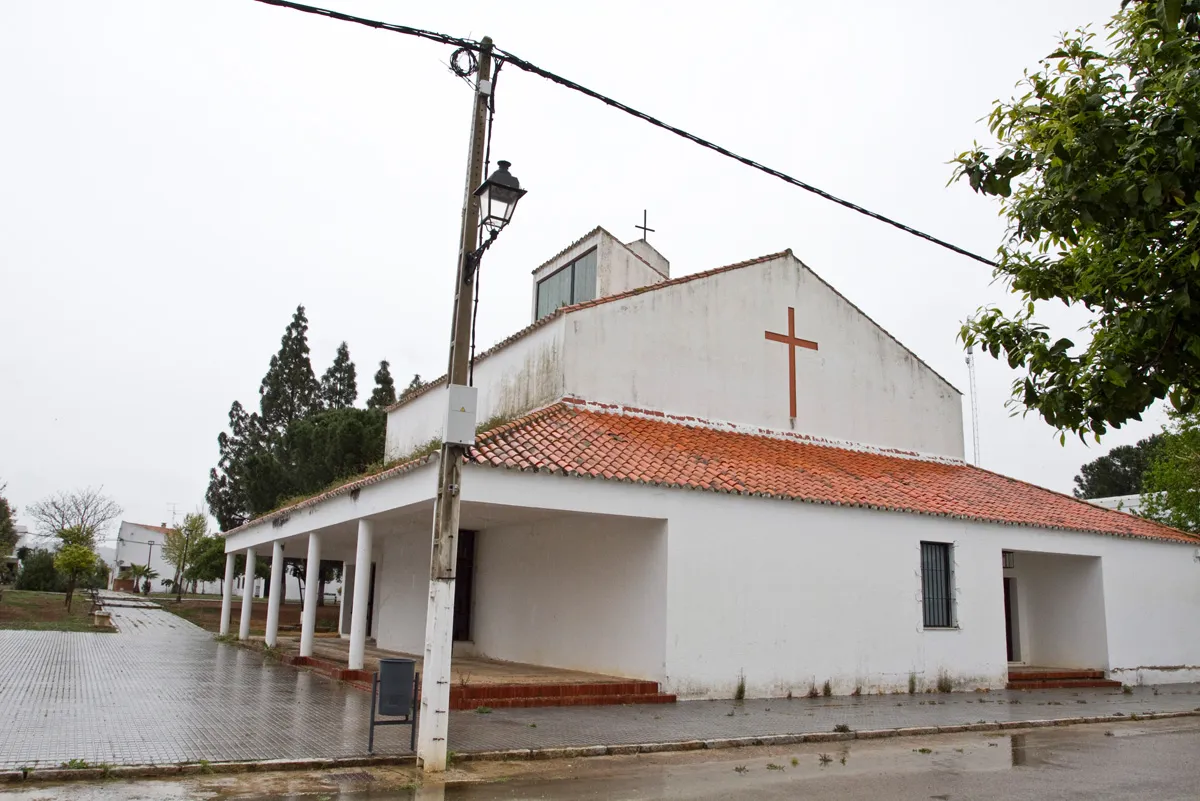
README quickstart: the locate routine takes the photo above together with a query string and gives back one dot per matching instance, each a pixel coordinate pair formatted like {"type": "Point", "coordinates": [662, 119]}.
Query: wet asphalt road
{"type": "Point", "coordinates": [1151, 762]}
{"type": "Point", "coordinates": [1134, 760]}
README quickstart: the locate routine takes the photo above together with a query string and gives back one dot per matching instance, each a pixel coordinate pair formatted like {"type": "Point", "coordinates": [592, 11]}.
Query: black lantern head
{"type": "Point", "coordinates": [498, 197]}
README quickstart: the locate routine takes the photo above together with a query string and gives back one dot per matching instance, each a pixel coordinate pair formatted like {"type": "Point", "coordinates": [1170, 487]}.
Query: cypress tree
{"type": "Point", "coordinates": [289, 390]}
{"type": "Point", "coordinates": [339, 385]}
{"type": "Point", "coordinates": [384, 394]}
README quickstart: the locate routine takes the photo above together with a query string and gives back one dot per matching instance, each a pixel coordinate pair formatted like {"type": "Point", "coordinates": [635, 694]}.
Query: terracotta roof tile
{"type": "Point", "coordinates": [567, 439]}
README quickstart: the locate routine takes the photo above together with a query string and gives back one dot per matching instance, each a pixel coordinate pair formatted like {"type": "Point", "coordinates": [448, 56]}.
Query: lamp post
{"type": "Point", "coordinates": [488, 205]}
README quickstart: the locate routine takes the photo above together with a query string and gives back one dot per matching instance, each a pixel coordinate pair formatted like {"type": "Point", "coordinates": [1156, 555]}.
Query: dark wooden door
{"type": "Point", "coordinates": [1008, 627]}
{"type": "Point", "coordinates": [464, 586]}
{"type": "Point", "coordinates": [371, 601]}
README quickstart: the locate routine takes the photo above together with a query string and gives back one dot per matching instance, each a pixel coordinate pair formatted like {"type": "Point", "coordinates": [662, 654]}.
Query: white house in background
{"type": "Point", "coordinates": [1122, 503]}
{"type": "Point", "coordinates": [139, 543]}
{"type": "Point", "coordinates": [738, 475]}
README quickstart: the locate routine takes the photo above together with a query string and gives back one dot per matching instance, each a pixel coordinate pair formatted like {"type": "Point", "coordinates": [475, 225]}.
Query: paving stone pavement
{"type": "Point", "coordinates": [162, 691]}
{"type": "Point", "coordinates": [703, 720]}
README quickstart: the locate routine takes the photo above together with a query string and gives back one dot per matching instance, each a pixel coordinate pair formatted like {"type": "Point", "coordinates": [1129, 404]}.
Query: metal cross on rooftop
{"type": "Point", "coordinates": [645, 230]}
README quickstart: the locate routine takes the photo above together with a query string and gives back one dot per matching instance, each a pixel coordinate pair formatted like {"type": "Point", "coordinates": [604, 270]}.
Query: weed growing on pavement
{"type": "Point", "coordinates": [1126, 689]}
{"type": "Point", "coordinates": [841, 728]}
{"type": "Point", "coordinates": [795, 761]}
{"type": "Point", "coordinates": [813, 692]}
{"type": "Point", "coordinates": [773, 766]}
{"type": "Point", "coordinates": [912, 683]}
{"type": "Point", "coordinates": [740, 693]}
{"type": "Point", "coordinates": [741, 769]}
{"type": "Point", "coordinates": [824, 759]}
{"type": "Point", "coordinates": [75, 764]}
{"type": "Point", "coordinates": [923, 750]}
{"type": "Point", "coordinates": [483, 710]}
{"type": "Point", "coordinates": [826, 689]}
{"type": "Point", "coordinates": [944, 684]}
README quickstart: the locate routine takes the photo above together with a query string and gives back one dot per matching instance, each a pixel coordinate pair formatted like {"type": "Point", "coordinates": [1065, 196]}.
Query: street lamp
{"type": "Point", "coordinates": [498, 197]}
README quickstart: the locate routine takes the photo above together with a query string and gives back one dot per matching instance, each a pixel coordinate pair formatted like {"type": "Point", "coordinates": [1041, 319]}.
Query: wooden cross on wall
{"type": "Point", "coordinates": [792, 342]}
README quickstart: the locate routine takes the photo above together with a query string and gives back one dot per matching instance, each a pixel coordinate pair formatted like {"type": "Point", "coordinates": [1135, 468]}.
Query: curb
{"type": "Point", "coordinates": [568, 752]}
{"type": "Point", "coordinates": [578, 752]}
{"type": "Point", "coordinates": [198, 768]}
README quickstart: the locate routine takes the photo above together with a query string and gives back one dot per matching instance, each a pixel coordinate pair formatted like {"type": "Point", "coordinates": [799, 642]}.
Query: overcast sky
{"type": "Point", "coordinates": [175, 177]}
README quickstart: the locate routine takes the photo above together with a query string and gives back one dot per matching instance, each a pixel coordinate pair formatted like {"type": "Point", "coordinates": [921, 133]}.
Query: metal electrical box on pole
{"type": "Point", "coordinates": [459, 428]}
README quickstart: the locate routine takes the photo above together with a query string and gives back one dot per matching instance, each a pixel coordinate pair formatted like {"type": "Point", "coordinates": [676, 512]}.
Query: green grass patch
{"type": "Point", "coordinates": [46, 611]}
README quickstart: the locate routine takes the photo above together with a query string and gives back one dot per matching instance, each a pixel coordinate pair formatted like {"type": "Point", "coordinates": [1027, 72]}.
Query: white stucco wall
{"type": "Point", "coordinates": [584, 594]}
{"type": "Point", "coordinates": [699, 348]}
{"type": "Point", "coordinates": [621, 269]}
{"type": "Point", "coordinates": [402, 589]}
{"type": "Point", "coordinates": [791, 594]}
{"type": "Point", "coordinates": [523, 376]}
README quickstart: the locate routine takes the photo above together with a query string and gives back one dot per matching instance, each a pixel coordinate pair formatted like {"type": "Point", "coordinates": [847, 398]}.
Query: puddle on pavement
{"type": "Point", "coordinates": [739, 772]}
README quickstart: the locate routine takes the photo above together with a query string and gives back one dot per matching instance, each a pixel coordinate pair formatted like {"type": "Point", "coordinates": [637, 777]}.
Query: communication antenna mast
{"type": "Point", "coordinates": [974, 404]}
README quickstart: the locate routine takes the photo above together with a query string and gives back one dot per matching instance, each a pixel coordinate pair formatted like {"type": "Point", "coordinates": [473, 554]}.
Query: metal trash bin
{"type": "Point", "coordinates": [395, 693]}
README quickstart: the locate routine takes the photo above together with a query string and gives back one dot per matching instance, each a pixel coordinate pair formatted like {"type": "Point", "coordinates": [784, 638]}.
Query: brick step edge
{"type": "Point", "coordinates": [1054, 675]}
{"type": "Point", "coordinates": [1064, 685]}
{"type": "Point", "coordinates": [481, 691]}
{"type": "Point", "coordinates": [565, 700]}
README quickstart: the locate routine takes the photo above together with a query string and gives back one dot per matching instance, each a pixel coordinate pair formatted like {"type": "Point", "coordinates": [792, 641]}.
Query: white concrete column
{"type": "Point", "coordinates": [312, 584]}
{"type": "Point", "coordinates": [227, 592]}
{"type": "Point", "coordinates": [362, 588]}
{"type": "Point", "coordinates": [247, 597]}
{"type": "Point", "coordinates": [276, 593]}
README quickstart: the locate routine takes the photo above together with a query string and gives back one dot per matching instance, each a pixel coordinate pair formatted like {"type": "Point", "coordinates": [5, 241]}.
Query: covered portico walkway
{"type": "Point", "coordinates": [549, 579]}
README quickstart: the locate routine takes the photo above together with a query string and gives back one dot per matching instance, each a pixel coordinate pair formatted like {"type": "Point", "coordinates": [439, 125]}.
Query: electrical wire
{"type": "Point", "coordinates": [569, 84]}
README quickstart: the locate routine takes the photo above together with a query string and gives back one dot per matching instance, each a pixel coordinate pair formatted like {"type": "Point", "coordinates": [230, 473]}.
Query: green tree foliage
{"type": "Point", "coordinates": [208, 560]}
{"type": "Point", "coordinates": [37, 571]}
{"type": "Point", "coordinates": [414, 385]}
{"type": "Point", "coordinates": [227, 482]}
{"type": "Point", "coordinates": [1119, 472]}
{"type": "Point", "coordinates": [265, 458]}
{"type": "Point", "coordinates": [84, 536]}
{"type": "Point", "coordinates": [73, 562]}
{"type": "Point", "coordinates": [1172, 479]}
{"type": "Point", "coordinates": [8, 527]}
{"type": "Point", "coordinates": [1097, 175]}
{"type": "Point", "coordinates": [289, 390]}
{"type": "Point", "coordinates": [179, 547]}
{"type": "Point", "coordinates": [339, 385]}
{"type": "Point", "coordinates": [384, 394]}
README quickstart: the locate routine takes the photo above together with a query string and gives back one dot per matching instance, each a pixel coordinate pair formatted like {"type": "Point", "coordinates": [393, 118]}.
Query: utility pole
{"type": "Point", "coordinates": [439, 624]}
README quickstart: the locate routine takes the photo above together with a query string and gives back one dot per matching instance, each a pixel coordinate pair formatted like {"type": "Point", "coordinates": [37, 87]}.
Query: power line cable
{"type": "Point", "coordinates": [566, 82]}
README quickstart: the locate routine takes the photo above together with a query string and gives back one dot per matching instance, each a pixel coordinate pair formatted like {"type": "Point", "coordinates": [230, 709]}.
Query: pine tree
{"type": "Point", "coordinates": [289, 390]}
{"type": "Point", "coordinates": [339, 385]}
{"type": "Point", "coordinates": [384, 394]}
{"type": "Point", "coordinates": [8, 529]}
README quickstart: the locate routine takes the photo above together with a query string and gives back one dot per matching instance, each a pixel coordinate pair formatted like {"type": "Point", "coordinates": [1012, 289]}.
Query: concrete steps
{"type": "Point", "coordinates": [1052, 679]}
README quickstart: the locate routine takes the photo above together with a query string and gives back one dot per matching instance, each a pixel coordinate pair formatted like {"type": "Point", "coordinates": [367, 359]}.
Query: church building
{"type": "Point", "coordinates": [736, 477]}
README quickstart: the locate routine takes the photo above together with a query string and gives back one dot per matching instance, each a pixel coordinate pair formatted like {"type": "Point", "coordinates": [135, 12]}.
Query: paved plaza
{"type": "Point", "coordinates": [163, 691]}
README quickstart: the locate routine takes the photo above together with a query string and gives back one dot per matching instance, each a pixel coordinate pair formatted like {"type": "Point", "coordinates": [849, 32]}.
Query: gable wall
{"type": "Point", "coordinates": [699, 348]}
{"type": "Point", "coordinates": [523, 376]}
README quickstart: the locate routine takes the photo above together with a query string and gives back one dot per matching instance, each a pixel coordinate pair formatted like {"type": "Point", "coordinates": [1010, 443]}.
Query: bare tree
{"type": "Point", "coordinates": [88, 509]}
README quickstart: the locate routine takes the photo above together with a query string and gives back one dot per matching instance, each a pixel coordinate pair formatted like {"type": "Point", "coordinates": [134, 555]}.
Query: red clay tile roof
{"type": "Point", "coordinates": [567, 439]}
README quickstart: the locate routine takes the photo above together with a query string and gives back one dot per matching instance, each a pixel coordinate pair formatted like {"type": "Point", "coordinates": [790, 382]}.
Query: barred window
{"type": "Point", "coordinates": [937, 584]}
